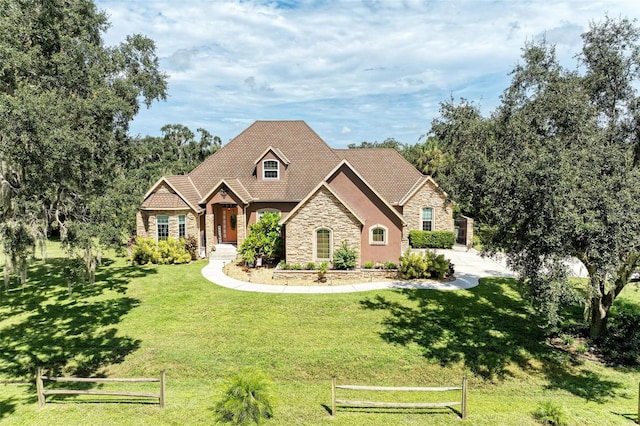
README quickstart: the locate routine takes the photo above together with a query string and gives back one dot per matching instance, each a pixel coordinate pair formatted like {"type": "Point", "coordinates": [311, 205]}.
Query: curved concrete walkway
{"type": "Point", "coordinates": [469, 267]}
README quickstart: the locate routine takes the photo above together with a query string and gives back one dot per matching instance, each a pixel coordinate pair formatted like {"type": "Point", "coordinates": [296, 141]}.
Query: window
{"type": "Point", "coordinates": [378, 235]}
{"type": "Point", "coordinates": [270, 169]}
{"type": "Point", "coordinates": [162, 227]}
{"type": "Point", "coordinates": [323, 244]}
{"type": "Point", "coordinates": [427, 219]}
{"type": "Point", "coordinates": [182, 226]}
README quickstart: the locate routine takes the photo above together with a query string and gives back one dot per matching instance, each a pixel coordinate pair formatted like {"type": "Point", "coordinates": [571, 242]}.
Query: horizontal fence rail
{"type": "Point", "coordinates": [42, 392]}
{"type": "Point", "coordinates": [344, 402]}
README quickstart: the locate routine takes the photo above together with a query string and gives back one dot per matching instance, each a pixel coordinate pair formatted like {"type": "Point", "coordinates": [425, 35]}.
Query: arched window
{"type": "Point", "coordinates": [378, 235]}
{"type": "Point", "coordinates": [323, 244]}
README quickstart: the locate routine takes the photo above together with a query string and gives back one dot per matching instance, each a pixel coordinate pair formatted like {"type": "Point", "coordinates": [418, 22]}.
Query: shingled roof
{"type": "Point", "coordinates": [308, 161]}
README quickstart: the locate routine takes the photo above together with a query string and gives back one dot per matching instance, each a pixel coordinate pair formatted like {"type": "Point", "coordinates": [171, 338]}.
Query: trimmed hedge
{"type": "Point", "coordinates": [431, 239]}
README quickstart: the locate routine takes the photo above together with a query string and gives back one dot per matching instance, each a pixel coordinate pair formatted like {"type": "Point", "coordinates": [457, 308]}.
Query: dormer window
{"type": "Point", "coordinates": [270, 169]}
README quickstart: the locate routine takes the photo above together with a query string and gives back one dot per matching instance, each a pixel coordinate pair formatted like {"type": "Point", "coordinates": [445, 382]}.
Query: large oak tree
{"type": "Point", "coordinates": [66, 101]}
{"type": "Point", "coordinates": [554, 172]}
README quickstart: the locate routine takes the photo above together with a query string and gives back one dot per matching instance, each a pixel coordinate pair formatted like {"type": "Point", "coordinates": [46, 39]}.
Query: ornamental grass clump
{"type": "Point", "coordinates": [247, 399]}
{"type": "Point", "coordinates": [550, 413]}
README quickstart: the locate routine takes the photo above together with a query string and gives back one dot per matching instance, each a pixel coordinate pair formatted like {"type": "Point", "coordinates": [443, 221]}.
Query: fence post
{"type": "Point", "coordinates": [39, 387]}
{"type": "Point", "coordinates": [464, 397]}
{"type": "Point", "coordinates": [333, 396]}
{"type": "Point", "coordinates": [162, 380]}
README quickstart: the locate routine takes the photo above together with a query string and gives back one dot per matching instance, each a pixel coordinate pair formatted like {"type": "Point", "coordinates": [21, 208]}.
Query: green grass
{"type": "Point", "coordinates": [136, 321]}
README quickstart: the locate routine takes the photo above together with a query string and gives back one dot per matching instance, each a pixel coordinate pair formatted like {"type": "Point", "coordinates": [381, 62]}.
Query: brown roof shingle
{"type": "Point", "coordinates": [309, 160]}
{"type": "Point", "coordinates": [164, 200]}
{"type": "Point", "coordinates": [385, 170]}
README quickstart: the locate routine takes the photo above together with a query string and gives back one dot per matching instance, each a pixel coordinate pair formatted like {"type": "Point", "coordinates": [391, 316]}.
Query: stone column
{"type": "Point", "coordinates": [210, 232]}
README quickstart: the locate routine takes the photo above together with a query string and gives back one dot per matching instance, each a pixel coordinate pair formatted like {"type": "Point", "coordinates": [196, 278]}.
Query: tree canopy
{"type": "Point", "coordinates": [66, 101]}
{"type": "Point", "coordinates": [553, 173]}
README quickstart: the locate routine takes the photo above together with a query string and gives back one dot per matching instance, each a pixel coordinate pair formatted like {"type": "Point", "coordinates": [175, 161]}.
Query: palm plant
{"type": "Point", "coordinates": [247, 399]}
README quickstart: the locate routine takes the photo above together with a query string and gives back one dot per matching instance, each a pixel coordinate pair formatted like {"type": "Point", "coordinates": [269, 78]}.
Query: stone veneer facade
{"type": "Point", "coordinates": [322, 210]}
{"type": "Point", "coordinates": [146, 223]}
{"type": "Point", "coordinates": [427, 196]}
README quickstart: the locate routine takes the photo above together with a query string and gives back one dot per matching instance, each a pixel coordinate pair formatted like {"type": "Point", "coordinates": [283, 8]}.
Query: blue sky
{"type": "Point", "coordinates": [353, 70]}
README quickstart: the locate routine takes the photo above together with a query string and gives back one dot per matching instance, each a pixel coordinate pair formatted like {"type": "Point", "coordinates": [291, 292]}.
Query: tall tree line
{"type": "Point", "coordinates": [66, 158]}
{"type": "Point", "coordinates": [554, 172]}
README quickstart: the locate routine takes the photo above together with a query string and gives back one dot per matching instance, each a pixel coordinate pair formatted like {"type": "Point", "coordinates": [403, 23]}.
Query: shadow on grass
{"type": "Point", "coordinates": [7, 407]}
{"type": "Point", "coordinates": [41, 325]}
{"type": "Point", "coordinates": [490, 329]}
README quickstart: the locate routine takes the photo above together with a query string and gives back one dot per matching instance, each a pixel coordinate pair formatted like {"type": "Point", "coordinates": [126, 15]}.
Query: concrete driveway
{"type": "Point", "coordinates": [469, 267]}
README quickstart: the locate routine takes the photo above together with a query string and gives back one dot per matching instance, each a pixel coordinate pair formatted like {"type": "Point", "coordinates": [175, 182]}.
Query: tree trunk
{"type": "Point", "coordinates": [599, 316]}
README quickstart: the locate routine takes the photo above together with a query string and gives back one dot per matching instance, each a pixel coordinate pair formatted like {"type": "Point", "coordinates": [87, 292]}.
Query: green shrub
{"type": "Point", "coordinates": [427, 265]}
{"type": "Point", "coordinates": [431, 239]}
{"type": "Point", "coordinates": [368, 265]}
{"type": "Point", "coordinates": [390, 265]}
{"type": "Point", "coordinates": [165, 252]}
{"type": "Point", "coordinates": [621, 345]}
{"type": "Point", "coordinates": [310, 266]}
{"type": "Point", "coordinates": [344, 257]}
{"type": "Point", "coordinates": [264, 239]}
{"type": "Point", "coordinates": [172, 251]}
{"type": "Point", "coordinates": [247, 399]}
{"type": "Point", "coordinates": [549, 413]}
{"type": "Point", "coordinates": [191, 245]}
{"type": "Point", "coordinates": [296, 267]}
{"type": "Point", "coordinates": [144, 251]}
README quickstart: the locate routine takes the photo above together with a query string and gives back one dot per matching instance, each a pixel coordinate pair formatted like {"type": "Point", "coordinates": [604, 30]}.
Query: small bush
{"type": "Point", "coordinates": [427, 265]}
{"type": "Point", "coordinates": [296, 267]}
{"type": "Point", "coordinates": [191, 245]}
{"type": "Point", "coordinates": [431, 239]}
{"type": "Point", "coordinates": [310, 266]}
{"type": "Point", "coordinates": [621, 345]}
{"type": "Point", "coordinates": [144, 251]}
{"type": "Point", "coordinates": [172, 251]}
{"type": "Point", "coordinates": [344, 257]}
{"type": "Point", "coordinates": [390, 265]}
{"type": "Point", "coordinates": [549, 413]}
{"type": "Point", "coordinates": [165, 252]}
{"type": "Point", "coordinates": [247, 399]}
{"type": "Point", "coordinates": [264, 239]}
{"type": "Point", "coordinates": [368, 265]}
{"type": "Point", "coordinates": [323, 267]}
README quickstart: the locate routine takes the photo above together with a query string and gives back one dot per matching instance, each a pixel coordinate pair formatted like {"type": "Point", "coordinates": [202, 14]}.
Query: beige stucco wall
{"type": "Point", "coordinates": [322, 210]}
{"type": "Point", "coordinates": [427, 196]}
{"type": "Point", "coordinates": [146, 223]}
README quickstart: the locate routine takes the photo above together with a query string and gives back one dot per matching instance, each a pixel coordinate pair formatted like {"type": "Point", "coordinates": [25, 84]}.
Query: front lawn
{"type": "Point", "coordinates": [136, 321]}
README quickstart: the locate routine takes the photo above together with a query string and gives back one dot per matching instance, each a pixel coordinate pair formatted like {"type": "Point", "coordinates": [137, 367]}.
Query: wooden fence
{"type": "Point", "coordinates": [42, 392]}
{"type": "Point", "coordinates": [462, 402]}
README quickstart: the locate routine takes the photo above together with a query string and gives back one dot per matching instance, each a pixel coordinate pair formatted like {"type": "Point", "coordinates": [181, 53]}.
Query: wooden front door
{"type": "Point", "coordinates": [229, 224]}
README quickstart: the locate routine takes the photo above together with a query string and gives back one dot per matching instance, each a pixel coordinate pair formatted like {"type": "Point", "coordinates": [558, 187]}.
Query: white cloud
{"type": "Point", "coordinates": [380, 67]}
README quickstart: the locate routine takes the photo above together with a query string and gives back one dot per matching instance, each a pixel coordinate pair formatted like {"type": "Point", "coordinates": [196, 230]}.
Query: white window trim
{"type": "Point", "coordinates": [158, 225]}
{"type": "Point", "coordinates": [433, 218]}
{"type": "Point", "coordinates": [261, 212]}
{"type": "Point", "coordinates": [277, 170]}
{"type": "Point", "coordinates": [183, 222]}
{"type": "Point", "coordinates": [385, 240]}
{"type": "Point", "coordinates": [315, 244]}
